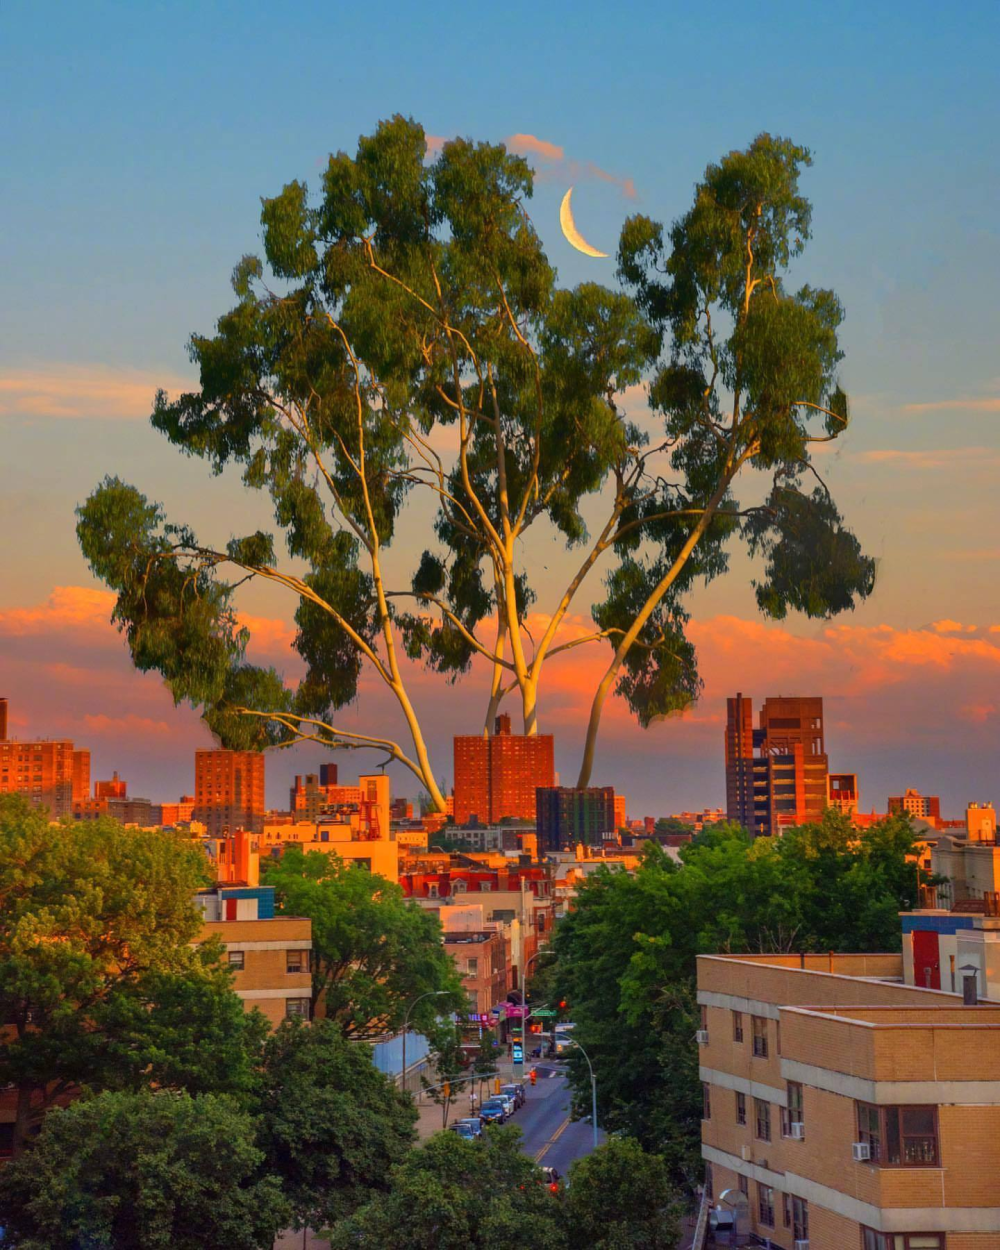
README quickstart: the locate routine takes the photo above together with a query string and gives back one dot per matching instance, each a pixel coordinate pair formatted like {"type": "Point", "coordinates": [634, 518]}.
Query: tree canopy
{"type": "Point", "coordinates": [148, 1171]}
{"type": "Point", "coordinates": [621, 1198]}
{"type": "Point", "coordinates": [452, 1194]}
{"type": "Point", "coordinates": [332, 1126]}
{"type": "Point", "coordinates": [100, 983]}
{"type": "Point", "coordinates": [625, 956]}
{"type": "Point", "coordinates": [404, 335]}
{"type": "Point", "coordinates": [373, 952]}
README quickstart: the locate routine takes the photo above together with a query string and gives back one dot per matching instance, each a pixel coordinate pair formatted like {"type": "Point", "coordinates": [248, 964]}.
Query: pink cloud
{"type": "Point", "coordinates": [530, 145]}
{"type": "Point", "coordinates": [985, 403]}
{"type": "Point", "coordinates": [83, 391]}
{"type": "Point", "coordinates": [975, 457]}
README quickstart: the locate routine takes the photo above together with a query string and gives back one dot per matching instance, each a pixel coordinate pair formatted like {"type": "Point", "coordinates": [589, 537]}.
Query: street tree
{"type": "Point", "coordinates": [148, 1171]}
{"type": "Point", "coordinates": [404, 337]}
{"type": "Point", "coordinates": [452, 1194]}
{"type": "Point", "coordinates": [626, 954]}
{"type": "Point", "coordinates": [451, 1067]}
{"type": "Point", "coordinates": [332, 1126]}
{"type": "Point", "coordinates": [101, 984]}
{"type": "Point", "coordinates": [373, 953]}
{"type": "Point", "coordinates": [621, 1198]}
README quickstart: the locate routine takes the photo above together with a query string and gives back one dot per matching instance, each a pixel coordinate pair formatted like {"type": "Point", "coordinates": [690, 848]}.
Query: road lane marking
{"type": "Point", "coordinates": [552, 1140]}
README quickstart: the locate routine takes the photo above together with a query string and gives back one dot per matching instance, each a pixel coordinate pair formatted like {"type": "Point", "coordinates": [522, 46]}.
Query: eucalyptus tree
{"type": "Point", "coordinates": [407, 336]}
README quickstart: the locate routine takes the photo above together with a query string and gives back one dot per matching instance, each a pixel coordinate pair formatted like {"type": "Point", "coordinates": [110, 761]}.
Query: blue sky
{"type": "Point", "coordinates": [139, 138]}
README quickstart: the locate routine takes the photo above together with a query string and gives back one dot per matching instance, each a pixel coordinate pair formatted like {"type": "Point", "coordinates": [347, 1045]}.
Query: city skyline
{"type": "Point", "coordinates": [901, 169]}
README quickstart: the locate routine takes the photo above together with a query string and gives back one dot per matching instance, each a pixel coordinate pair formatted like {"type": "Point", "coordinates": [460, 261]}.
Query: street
{"type": "Point", "coordinates": [549, 1136]}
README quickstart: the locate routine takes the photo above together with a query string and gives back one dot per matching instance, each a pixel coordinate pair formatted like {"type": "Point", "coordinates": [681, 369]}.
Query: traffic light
{"type": "Point", "coordinates": [563, 1004]}
{"type": "Point", "coordinates": [446, 1089]}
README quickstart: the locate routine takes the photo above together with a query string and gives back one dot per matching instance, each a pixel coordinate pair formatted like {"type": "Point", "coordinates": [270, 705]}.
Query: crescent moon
{"type": "Point", "coordinates": [570, 231]}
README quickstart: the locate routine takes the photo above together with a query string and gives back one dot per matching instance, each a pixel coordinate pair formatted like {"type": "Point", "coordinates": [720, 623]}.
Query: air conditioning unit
{"type": "Point", "coordinates": [861, 1152]}
{"type": "Point", "coordinates": [744, 1152]}
{"type": "Point", "coordinates": [701, 1037]}
{"type": "Point", "coordinates": [797, 1130]}
{"type": "Point", "coordinates": [802, 1245]}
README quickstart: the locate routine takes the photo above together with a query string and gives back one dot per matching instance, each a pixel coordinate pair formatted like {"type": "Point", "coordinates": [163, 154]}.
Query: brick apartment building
{"type": "Point", "coordinates": [776, 774]}
{"type": "Point", "coordinates": [496, 777]}
{"type": "Point", "coordinates": [844, 1110]}
{"type": "Point", "coordinates": [49, 773]}
{"type": "Point", "coordinates": [913, 803]}
{"type": "Point", "coordinates": [480, 956]}
{"type": "Point", "coordinates": [229, 790]}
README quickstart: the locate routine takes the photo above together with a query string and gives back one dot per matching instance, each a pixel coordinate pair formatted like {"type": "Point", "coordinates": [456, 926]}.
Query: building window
{"type": "Point", "coordinates": [800, 1219]}
{"type": "Point", "coordinates": [871, 1240]}
{"type": "Point", "coordinates": [899, 1136]}
{"type": "Point", "coordinates": [295, 961]}
{"type": "Point", "coordinates": [706, 1101]}
{"type": "Point", "coordinates": [737, 1026]}
{"type": "Point", "coordinates": [236, 960]}
{"type": "Point", "coordinates": [759, 1036]}
{"type": "Point", "coordinates": [744, 1186]}
{"type": "Point", "coordinates": [473, 967]}
{"type": "Point", "coordinates": [765, 1205]}
{"type": "Point", "coordinates": [296, 1008]}
{"type": "Point", "coordinates": [741, 1108]}
{"type": "Point", "coordinates": [794, 1114]}
{"type": "Point", "coordinates": [762, 1119]}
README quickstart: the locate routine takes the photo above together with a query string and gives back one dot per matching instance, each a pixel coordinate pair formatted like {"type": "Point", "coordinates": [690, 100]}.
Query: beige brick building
{"type": "Point", "coordinates": [845, 1110]}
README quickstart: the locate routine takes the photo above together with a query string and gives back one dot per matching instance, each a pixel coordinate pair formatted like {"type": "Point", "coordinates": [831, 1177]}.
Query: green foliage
{"type": "Point", "coordinates": [450, 1064]}
{"type": "Point", "coordinates": [332, 1126]}
{"type": "Point", "coordinates": [625, 956]}
{"type": "Point", "coordinates": [100, 984]}
{"type": "Point", "coordinates": [621, 1198]}
{"type": "Point", "coordinates": [373, 952]}
{"type": "Point", "coordinates": [146, 1171]}
{"type": "Point", "coordinates": [452, 1194]}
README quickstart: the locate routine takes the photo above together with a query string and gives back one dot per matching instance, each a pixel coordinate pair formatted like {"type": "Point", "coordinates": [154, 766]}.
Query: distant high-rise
{"type": "Point", "coordinates": [498, 776]}
{"type": "Point", "coordinates": [229, 790]}
{"type": "Point", "coordinates": [566, 815]}
{"type": "Point", "coordinates": [923, 806]}
{"type": "Point", "coordinates": [50, 773]}
{"type": "Point", "coordinates": [777, 774]}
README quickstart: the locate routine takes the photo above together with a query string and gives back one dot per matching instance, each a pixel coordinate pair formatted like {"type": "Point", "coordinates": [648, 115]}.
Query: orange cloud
{"type": "Point", "coordinates": [531, 145]}
{"type": "Point", "coordinates": [83, 391]}
{"type": "Point", "coordinates": [976, 457]}
{"type": "Point", "coordinates": [901, 702]}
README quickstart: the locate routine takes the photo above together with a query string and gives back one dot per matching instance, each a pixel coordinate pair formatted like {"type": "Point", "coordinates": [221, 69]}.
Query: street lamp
{"type": "Point", "coordinates": [524, 993]}
{"type": "Point", "coordinates": [406, 1023]}
{"type": "Point", "coordinates": [593, 1087]}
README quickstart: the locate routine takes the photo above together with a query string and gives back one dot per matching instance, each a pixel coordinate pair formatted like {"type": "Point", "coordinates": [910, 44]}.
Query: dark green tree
{"type": "Point", "coordinates": [626, 954]}
{"type": "Point", "coordinates": [374, 953]}
{"type": "Point", "coordinates": [452, 1194]}
{"type": "Point", "coordinates": [621, 1198]}
{"type": "Point", "coordinates": [147, 1171]}
{"type": "Point", "coordinates": [407, 296]}
{"type": "Point", "coordinates": [100, 983]}
{"type": "Point", "coordinates": [332, 1125]}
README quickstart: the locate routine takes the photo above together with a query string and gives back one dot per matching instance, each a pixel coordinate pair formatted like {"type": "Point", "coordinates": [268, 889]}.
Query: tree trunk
{"type": "Point", "coordinates": [22, 1121]}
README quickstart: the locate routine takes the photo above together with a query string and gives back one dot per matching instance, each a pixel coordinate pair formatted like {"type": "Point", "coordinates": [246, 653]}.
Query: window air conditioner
{"type": "Point", "coordinates": [801, 1245]}
{"type": "Point", "coordinates": [744, 1152]}
{"type": "Point", "coordinates": [861, 1152]}
{"type": "Point", "coordinates": [797, 1130]}
{"type": "Point", "coordinates": [701, 1037]}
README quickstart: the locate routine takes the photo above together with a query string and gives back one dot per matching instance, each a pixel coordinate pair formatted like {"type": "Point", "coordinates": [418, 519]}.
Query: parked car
{"type": "Point", "coordinates": [493, 1111]}
{"type": "Point", "coordinates": [552, 1178]}
{"type": "Point", "coordinates": [465, 1131]}
{"type": "Point", "coordinates": [474, 1123]}
{"type": "Point", "coordinates": [516, 1092]}
{"type": "Point", "coordinates": [508, 1099]}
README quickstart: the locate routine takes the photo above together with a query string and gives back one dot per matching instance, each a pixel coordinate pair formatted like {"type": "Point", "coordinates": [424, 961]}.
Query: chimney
{"type": "Point", "coordinates": [3, 720]}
